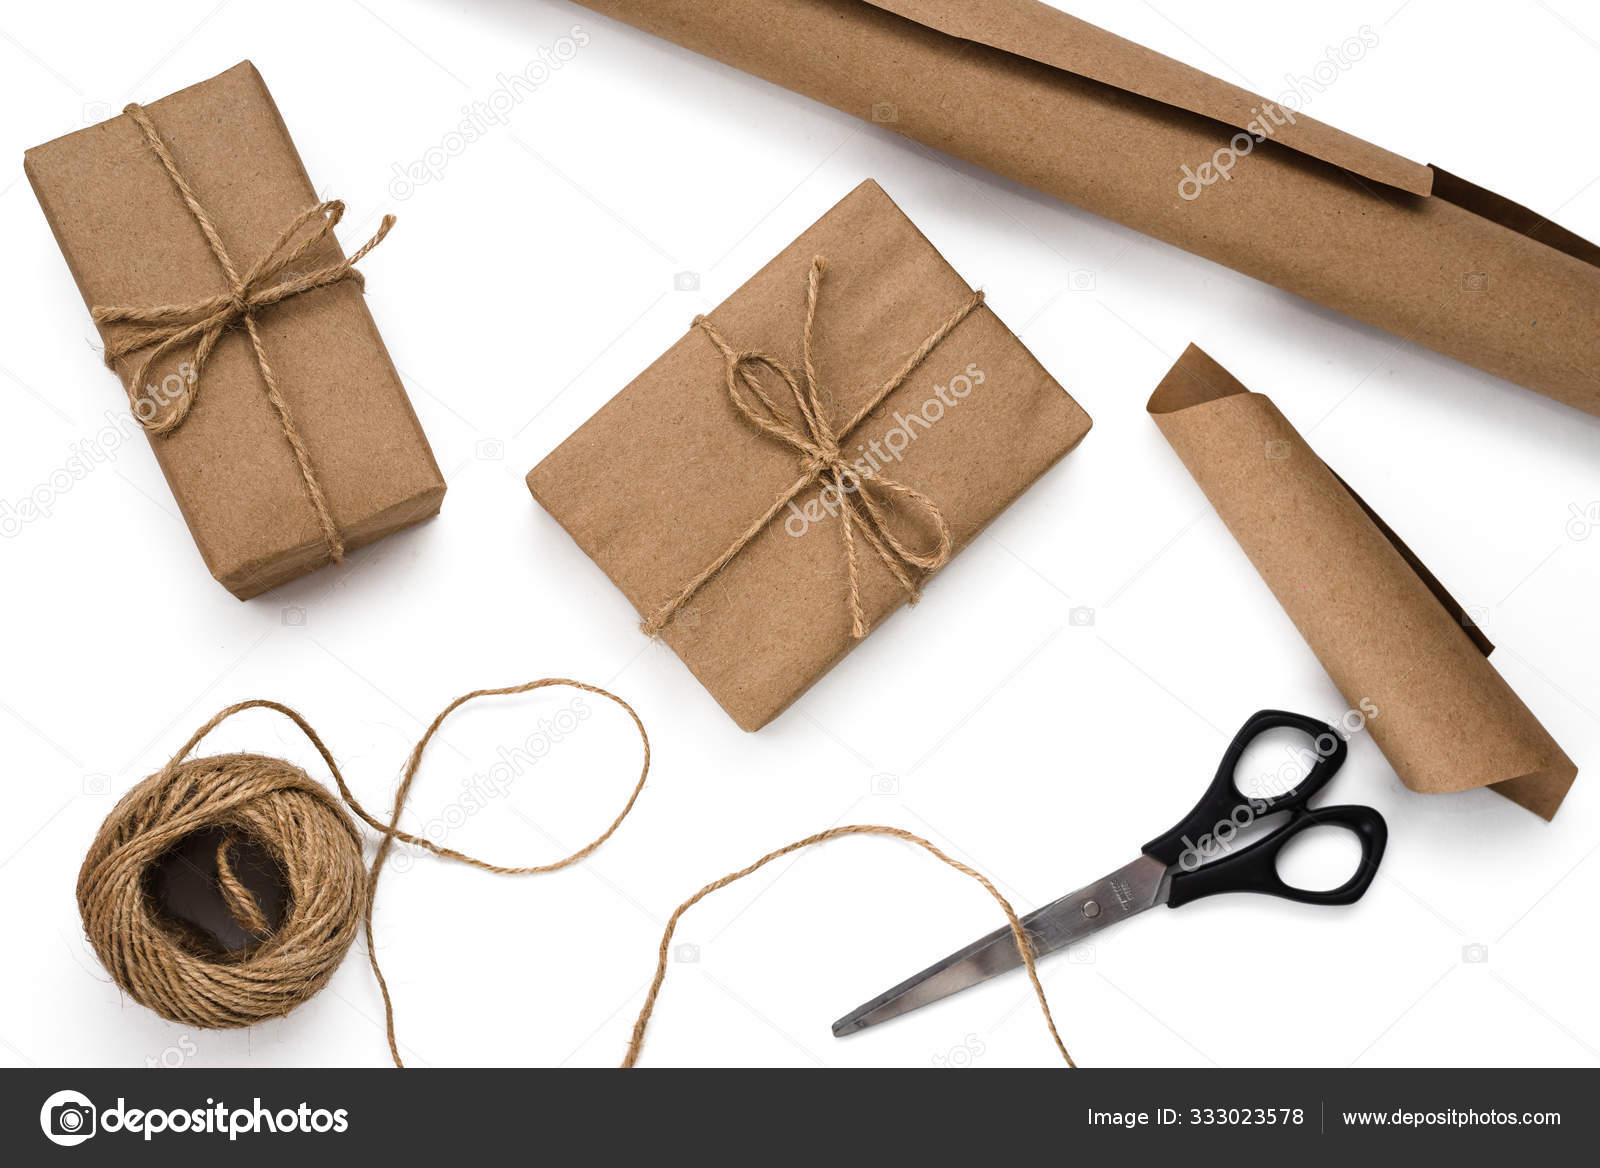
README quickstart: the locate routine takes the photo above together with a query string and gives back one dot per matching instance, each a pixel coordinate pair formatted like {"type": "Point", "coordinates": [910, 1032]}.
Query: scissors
{"type": "Point", "coordinates": [1195, 859]}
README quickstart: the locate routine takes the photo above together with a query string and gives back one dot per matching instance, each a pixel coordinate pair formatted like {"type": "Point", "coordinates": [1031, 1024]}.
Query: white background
{"type": "Point", "coordinates": [533, 279]}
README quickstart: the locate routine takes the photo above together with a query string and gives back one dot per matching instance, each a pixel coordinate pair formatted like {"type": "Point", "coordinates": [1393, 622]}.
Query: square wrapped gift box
{"type": "Point", "coordinates": [239, 329]}
{"type": "Point", "coordinates": [793, 469]}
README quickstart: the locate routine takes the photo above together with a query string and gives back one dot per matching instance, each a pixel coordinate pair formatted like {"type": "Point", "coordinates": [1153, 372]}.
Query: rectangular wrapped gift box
{"type": "Point", "coordinates": [673, 474]}
{"type": "Point", "coordinates": [131, 240]}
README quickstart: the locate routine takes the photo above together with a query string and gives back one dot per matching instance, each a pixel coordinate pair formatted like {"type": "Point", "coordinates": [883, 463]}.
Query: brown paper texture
{"type": "Point", "coordinates": [666, 475]}
{"type": "Point", "coordinates": [129, 239]}
{"type": "Point", "coordinates": [1380, 623]}
{"type": "Point", "coordinates": [1071, 110]}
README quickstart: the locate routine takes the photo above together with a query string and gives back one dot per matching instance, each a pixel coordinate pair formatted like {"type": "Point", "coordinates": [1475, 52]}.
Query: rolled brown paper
{"type": "Point", "coordinates": [1069, 109]}
{"type": "Point", "coordinates": [1380, 623]}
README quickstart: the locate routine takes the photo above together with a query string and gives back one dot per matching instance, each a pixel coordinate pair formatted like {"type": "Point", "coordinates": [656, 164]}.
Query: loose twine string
{"type": "Point", "coordinates": [183, 975]}
{"type": "Point", "coordinates": [164, 328]}
{"type": "Point", "coordinates": [1020, 934]}
{"type": "Point", "coordinates": [821, 457]}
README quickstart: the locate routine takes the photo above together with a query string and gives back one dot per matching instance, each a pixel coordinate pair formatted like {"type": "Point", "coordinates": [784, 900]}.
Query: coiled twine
{"type": "Point", "coordinates": [246, 805]}
{"type": "Point", "coordinates": [275, 808]}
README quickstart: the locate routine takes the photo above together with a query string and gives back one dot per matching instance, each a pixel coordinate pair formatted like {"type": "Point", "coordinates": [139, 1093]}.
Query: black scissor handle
{"type": "Point", "coordinates": [1255, 868]}
{"type": "Point", "coordinates": [1224, 809]}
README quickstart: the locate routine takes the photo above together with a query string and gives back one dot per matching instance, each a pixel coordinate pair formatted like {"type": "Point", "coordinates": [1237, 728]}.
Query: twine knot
{"type": "Point", "coordinates": [861, 493]}
{"type": "Point", "coordinates": [157, 330]}
{"type": "Point", "coordinates": [814, 463]}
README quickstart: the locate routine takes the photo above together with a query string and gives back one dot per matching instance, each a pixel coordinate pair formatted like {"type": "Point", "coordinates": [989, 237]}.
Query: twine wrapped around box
{"type": "Point", "coordinates": [819, 445]}
{"type": "Point", "coordinates": [857, 350]}
{"type": "Point", "coordinates": [163, 328]}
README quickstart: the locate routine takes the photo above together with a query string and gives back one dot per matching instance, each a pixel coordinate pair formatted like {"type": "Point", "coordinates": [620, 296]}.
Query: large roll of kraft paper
{"type": "Point", "coordinates": [1059, 105]}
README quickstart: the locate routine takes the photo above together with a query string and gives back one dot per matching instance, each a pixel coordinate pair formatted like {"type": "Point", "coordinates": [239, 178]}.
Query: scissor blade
{"type": "Point", "coordinates": [1130, 889]}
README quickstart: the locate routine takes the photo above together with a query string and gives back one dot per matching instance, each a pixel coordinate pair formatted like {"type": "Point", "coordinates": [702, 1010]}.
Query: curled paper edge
{"type": "Point", "coordinates": [1379, 622]}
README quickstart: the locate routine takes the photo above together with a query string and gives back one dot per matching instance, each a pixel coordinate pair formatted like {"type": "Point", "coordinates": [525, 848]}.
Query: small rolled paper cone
{"type": "Point", "coordinates": [1388, 634]}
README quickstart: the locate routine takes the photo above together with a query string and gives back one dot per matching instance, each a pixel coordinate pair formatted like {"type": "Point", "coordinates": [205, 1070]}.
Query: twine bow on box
{"type": "Point", "coordinates": [819, 445]}
{"type": "Point", "coordinates": [164, 328]}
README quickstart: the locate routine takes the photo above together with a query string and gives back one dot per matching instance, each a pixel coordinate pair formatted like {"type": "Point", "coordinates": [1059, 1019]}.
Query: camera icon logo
{"type": "Point", "coordinates": [1276, 449]}
{"type": "Point", "coordinates": [686, 282]}
{"type": "Point", "coordinates": [1475, 953]}
{"type": "Point", "coordinates": [1475, 281]}
{"type": "Point", "coordinates": [1081, 616]}
{"type": "Point", "coordinates": [686, 953]}
{"type": "Point", "coordinates": [489, 450]}
{"type": "Point", "coordinates": [67, 1118]}
{"type": "Point", "coordinates": [885, 112]}
{"type": "Point", "coordinates": [294, 617]}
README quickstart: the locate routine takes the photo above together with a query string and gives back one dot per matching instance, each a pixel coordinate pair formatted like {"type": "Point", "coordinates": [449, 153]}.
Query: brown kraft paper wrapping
{"type": "Point", "coordinates": [666, 475]}
{"type": "Point", "coordinates": [130, 240]}
{"type": "Point", "coordinates": [1069, 109]}
{"type": "Point", "coordinates": [1379, 622]}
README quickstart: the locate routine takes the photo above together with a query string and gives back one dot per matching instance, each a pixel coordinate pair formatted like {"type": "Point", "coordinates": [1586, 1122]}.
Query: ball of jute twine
{"type": "Point", "coordinates": [311, 837]}
{"type": "Point", "coordinates": [242, 799]}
